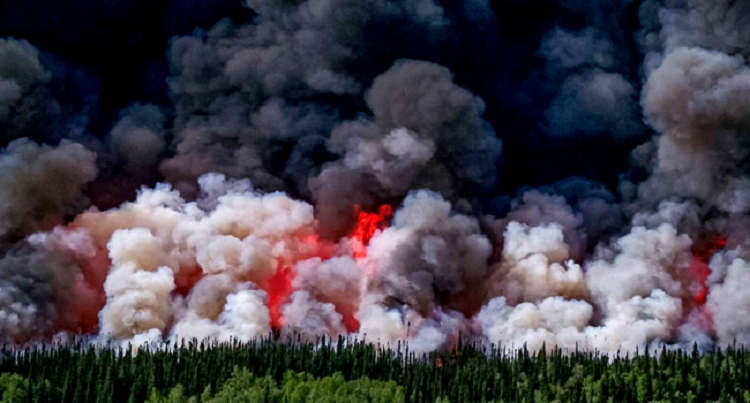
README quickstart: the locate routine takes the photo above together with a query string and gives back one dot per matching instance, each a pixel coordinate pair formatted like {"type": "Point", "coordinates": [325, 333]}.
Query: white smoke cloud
{"type": "Point", "coordinates": [160, 242]}
{"type": "Point", "coordinates": [309, 318]}
{"type": "Point", "coordinates": [535, 208]}
{"type": "Point", "coordinates": [138, 286]}
{"type": "Point", "coordinates": [243, 317]}
{"type": "Point", "coordinates": [729, 303]}
{"type": "Point", "coordinates": [536, 265]}
{"type": "Point", "coordinates": [338, 281]}
{"type": "Point", "coordinates": [629, 297]}
{"type": "Point", "coordinates": [553, 322]}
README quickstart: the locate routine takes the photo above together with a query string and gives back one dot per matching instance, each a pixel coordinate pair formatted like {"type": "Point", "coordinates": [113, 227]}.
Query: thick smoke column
{"type": "Point", "coordinates": [412, 170]}
{"type": "Point", "coordinates": [426, 132]}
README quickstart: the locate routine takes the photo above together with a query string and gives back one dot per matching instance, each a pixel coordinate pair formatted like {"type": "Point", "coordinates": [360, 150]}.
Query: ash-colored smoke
{"type": "Point", "coordinates": [137, 140]}
{"type": "Point", "coordinates": [29, 286]}
{"type": "Point", "coordinates": [43, 289]}
{"type": "Point", "coordinates": [428, 254]}
{"type": "Point", "coordinates": [698, 100]}
{"type": "Point", "coordinates": [41, 184]}
{"type": "Point", "coordinates": [231, 84]}
{"type": "Point", "coordinates": [20, 71]}
{"type": "Point", "coordinates": [29, 96]}
{"type": "Point", "coordinates": [714, 25]}
{"type": "Point", "coordinates": [22, 88]}
{"type": "Point", "coordinates": [425, 132]}
{"type": "Point", "coordinates": [275, 100]}
{"type": "Point", "coordinates": [329, 294]}
{"type": "Point", "coordinates": [595, 98]}
{"type": "Point", "coordinates": [310, 318]}
{"type": "Point", "coordinates": [695, 96]}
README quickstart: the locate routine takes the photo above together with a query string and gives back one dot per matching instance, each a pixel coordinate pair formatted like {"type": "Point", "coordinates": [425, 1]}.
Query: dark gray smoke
{"type": "Point", "coordinates": [425, 132]}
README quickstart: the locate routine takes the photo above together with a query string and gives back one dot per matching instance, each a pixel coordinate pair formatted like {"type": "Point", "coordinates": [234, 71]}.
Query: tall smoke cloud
{"type": "Point", "coordinates": [414, 171]}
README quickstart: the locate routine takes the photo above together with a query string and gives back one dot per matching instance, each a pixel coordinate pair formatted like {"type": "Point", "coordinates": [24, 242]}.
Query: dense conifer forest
{"type": "Point", "coordinates": [346, 371]}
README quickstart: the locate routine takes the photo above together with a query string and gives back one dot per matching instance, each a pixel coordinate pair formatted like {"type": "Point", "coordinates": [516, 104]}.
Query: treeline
{"type": "Point", "coordinates": [294, 388]}
{"type": "Point", "coordinates": [344, 371]}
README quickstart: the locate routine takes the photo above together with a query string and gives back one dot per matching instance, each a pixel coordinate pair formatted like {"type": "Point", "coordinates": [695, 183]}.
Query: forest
{"type": "Point", "coordinates": [267, 370]}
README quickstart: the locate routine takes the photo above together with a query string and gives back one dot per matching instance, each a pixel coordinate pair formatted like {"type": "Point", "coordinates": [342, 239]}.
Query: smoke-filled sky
{"type": "Point", "coordinates": [519, 171]}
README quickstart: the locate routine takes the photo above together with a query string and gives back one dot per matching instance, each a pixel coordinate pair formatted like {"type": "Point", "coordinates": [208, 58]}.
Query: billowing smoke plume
{"type": "Point", "coordinates": [41, 184]}
{"type": "Point", "coordinates": [22, 88]}
{"type": "Point", "coordinates": [426, 132]}
{"type": "Point", "coordinates": [412, 170]}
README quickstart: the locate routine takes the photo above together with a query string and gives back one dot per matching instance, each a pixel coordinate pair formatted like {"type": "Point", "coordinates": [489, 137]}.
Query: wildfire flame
{"type": "Point", "coordinates": [279, 289]}
{"type": "Point", "coordinates": [279, 286]}
{"type": "Point", "coordinates": [367, 224]}
{"type": "Point", "coordinates": [699, 271]}
{"type": "Point", "coordinates": [699, 268]}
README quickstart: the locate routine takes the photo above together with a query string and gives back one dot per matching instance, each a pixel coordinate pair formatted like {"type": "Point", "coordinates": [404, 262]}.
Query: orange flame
{"type": "Point", "coordinates": [367, 224]}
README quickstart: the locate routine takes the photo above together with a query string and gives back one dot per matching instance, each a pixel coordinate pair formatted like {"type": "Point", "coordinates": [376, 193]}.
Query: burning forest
{"type": "Point", "coordinates": [414, 170]}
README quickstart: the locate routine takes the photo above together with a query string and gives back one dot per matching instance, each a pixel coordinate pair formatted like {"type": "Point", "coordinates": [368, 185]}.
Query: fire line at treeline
{"type": "Point", "coordinates": [280, 285]}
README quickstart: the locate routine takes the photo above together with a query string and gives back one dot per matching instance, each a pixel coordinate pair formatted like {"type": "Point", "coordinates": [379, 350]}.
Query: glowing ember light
{"type": "Point", "coordinates": [350, 322]}
{"type": "Point", "coordinates": [80, 314]}
{"type": "Point", "coordinates": [186, 279]}
{"type": "Point", "coordinates": [279, 289]}
{"type": "Point", "coordinates": [367, 224]}
{"type": "Point", "coordinates": [313, 246]}
{"type": "Point", "coordinates": [699, 268]}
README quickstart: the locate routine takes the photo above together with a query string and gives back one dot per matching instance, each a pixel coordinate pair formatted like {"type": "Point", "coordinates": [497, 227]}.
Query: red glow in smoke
{"type": "Point", "coordinates": [350, 322]}
{"type": "Point", "coordinates": [367, 224]}
{"type": "Point", "coordinates": [279, 289]}
{"type": "Point", "coordinates": [699, 269]}
{"type": "Point", "coordinates": [312, 246]}
{"type": "Point", "coordinates": [279, 286]}
{"type": "Point", "coordinates": [80, 313]}
{"type": "Point", "coordinates": [185, 279]}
